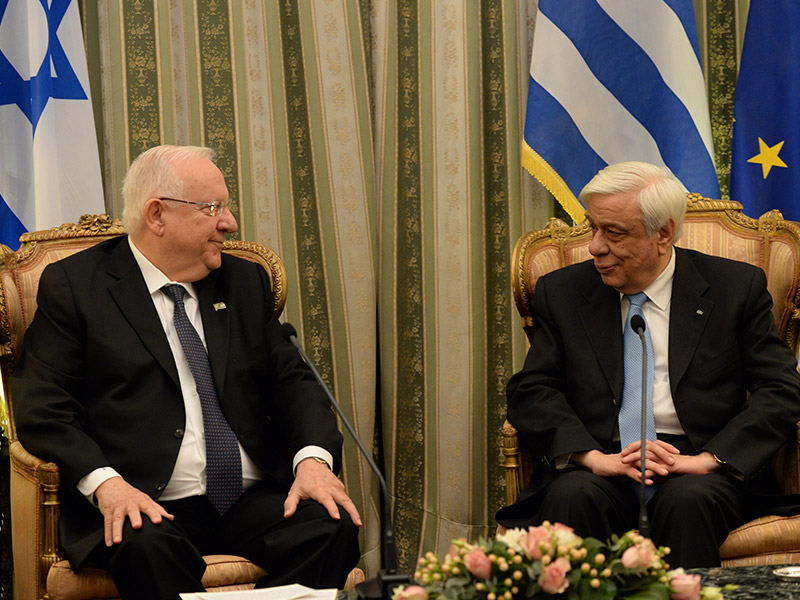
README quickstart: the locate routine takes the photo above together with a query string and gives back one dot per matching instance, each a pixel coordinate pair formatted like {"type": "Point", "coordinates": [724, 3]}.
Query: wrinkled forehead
{"type": "Point", "coordinates": [614, 210]}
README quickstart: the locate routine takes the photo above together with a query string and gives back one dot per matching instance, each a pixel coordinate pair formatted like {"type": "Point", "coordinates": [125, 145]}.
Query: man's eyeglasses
{"type": "Point", "coordinates": [214, 208]}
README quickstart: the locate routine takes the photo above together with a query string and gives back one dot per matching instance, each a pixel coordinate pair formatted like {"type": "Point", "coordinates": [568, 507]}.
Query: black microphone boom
{"type": "Point", "coordinates": [638, 325]}
{"type": "Point", "coordinates": [388, 578]}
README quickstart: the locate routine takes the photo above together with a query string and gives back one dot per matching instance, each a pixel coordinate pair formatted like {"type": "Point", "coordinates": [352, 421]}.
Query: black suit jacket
{"type": "Point", "coordinates": [97, 384]}
{"type": "Point", "coordinates": [733, 380]}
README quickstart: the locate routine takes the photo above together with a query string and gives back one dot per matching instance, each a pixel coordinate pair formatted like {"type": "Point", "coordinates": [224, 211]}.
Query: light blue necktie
{"type": "Point", "coordinates": [630, 414]}
{"type": "Point", "coordinates": [223, 461]}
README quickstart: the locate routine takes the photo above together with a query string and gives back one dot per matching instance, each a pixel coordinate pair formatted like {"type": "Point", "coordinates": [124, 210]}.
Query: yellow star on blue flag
{"type": "Point", "coordinates": [765, 165]}
{"type": "Point", "coordinates": [768, 157]}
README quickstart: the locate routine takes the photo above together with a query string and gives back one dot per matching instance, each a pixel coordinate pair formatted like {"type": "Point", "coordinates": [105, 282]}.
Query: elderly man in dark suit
{"type": "Point", "coordinates": [723, 388]}
{"type": "Point", "coordinates": [155, 374]}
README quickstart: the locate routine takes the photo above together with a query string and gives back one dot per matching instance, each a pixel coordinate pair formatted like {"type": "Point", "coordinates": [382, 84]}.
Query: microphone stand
{"type": "Point", "coordinates": [638, 325]}
{"type": "Point", "coordinates": [382, 585]}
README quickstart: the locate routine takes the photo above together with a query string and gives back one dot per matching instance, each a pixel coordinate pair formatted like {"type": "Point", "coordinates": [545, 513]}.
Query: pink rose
{"type": "Point", "coordinates": [412, 592]}
{"type": "Point", "coordinates": [478, 563]}
{"type": "Point", "coordinates": [553, 579]}
{"type": "Point", "coordinates": [640, 556]}
{"type": "Point", "coordinates": [533, 541]}
{"type": "Point", "coordinates": [685, 586]}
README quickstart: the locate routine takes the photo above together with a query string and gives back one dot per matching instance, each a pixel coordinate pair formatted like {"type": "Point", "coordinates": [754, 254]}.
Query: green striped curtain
{"type": "Point", "coordinates": [451, 208]}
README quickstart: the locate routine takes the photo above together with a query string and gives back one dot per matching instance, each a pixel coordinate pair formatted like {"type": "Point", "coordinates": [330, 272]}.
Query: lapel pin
{"type": "Point", "coordinates": [699, 312]}
{"type": "Point", "coordinates": [219, 306]}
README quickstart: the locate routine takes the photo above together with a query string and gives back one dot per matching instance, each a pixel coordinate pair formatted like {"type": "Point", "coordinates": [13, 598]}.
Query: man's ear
{"type": "Point", "coordinates": [665, 237]}
{"type": "Point", "coordinates": [153, 214]}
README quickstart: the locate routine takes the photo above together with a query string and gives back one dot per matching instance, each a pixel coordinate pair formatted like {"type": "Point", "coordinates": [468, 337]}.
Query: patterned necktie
{"type": "Point", "coordinates": [223, 461]}
{"type": "Point", "coordinates": [630, 414]}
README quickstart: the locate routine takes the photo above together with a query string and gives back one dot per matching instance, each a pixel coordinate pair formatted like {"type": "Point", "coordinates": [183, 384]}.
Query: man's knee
{"type": "Point", "coordinates": [152, 542]}
{"type": "Point", "coordinates": [689, 492]}
{"type": "Point", "coordinates": [577, 486]}
{"type": "Point", "coordinates": [341, 532]}
{"type": "Point", "coordinates": [155, 561]}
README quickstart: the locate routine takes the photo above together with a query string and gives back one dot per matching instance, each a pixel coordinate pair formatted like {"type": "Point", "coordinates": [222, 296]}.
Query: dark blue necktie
{"type": "Point", "coordinates": [223, 461]}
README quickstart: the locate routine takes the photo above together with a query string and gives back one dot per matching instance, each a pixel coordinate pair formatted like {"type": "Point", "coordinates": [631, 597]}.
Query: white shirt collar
{"type": "Point", "coordinates": [660, 291]}
{"type": "Point", "coordinates": [154, 278]}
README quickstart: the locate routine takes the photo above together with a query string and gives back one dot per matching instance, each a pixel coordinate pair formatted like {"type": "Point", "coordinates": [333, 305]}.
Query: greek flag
{"type": "Point", "coordinates": [49, 165]}
{"type": "Point", "coordinates": [765, 166]}
{"type": "Point", "coordinates": [611, 81]}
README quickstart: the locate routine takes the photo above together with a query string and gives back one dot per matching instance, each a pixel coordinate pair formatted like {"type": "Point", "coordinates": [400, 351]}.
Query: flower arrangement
{"type": "Point", "coordinates": [550, 560]}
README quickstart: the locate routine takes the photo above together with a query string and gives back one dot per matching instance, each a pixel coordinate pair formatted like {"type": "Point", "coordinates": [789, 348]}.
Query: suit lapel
{"type": "Point", "coordinates": [601, 318]}
{"type": "Point", "coordinates": [129, 291]}
{"type": "Point", "coordinates": [216, 324]}
{"type": "Point", "coordinates": [689, 314]}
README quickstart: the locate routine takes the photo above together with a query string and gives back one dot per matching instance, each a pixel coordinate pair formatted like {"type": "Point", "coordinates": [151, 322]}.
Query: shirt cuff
{"type": "Point", "coordinates": [562, 462]}
{"type": "Point", "coordinates": [88, 485]}
{"type": "Point", "coordinates": [308, 452]}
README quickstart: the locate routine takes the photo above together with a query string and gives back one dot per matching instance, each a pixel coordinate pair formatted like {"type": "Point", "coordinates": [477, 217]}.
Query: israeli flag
{"type": "Point", "coordinates": [49, 164]}
{"type": "Point", "coordinates": [612, 81]}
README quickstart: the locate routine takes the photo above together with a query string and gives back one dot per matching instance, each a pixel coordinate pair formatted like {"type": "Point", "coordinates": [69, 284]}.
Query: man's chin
{"type": "Point", "coordinates": [610, 280]}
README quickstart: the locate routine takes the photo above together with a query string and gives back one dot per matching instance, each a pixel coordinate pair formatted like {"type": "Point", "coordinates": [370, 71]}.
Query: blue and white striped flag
{"type": "Point", "coordinates": [611, 81]}
{"type": "Point", "coordinates": [49, 165]}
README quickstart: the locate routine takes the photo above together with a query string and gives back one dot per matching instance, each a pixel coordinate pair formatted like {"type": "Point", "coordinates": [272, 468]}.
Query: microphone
{"type": "Point", "coordinates": [388, 578]}
{"type": "Point", "coordinates": [638, 325]}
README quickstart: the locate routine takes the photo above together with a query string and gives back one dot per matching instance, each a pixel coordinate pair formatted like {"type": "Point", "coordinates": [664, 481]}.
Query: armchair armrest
{"type": "Point", "coordinates": [785, 464]}
{"type": "Point", "coordinates": [34, 520]}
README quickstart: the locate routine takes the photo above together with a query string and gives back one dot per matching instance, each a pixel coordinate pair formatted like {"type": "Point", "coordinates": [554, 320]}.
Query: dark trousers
{"type": "Point", "coordinates": [692, 514]}
{"type": "Point", "coordinates": [161, 561]}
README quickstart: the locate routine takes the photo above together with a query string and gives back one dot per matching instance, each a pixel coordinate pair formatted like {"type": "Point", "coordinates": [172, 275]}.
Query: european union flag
{"type": "Point", "coordinates": [49, 165]}
{"type": "Point", "coordinates": [765, 165]}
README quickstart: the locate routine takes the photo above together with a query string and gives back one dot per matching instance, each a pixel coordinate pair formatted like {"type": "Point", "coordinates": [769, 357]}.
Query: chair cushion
{"type": "Point", "coordinates": [767, 540]}
{"type": "Point", "coordinates": [224, 573]}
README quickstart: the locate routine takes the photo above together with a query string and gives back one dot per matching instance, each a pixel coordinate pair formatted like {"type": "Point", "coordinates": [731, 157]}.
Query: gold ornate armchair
{"type": "Point", "coordinates": [39, 568]}
{"type": "Point", "coordinates": [714, 227]}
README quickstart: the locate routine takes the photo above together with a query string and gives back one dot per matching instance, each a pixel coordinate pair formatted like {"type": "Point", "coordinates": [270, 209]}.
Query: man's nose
{"type": "Point", "coordinates": [598, 244]}
{"type": "Point", "coordinates": [227, 222]}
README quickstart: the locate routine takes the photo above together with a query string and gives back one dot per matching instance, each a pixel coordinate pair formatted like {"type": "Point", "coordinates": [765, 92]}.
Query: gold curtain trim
{"type": "Point", "coordinates": [547, 176]}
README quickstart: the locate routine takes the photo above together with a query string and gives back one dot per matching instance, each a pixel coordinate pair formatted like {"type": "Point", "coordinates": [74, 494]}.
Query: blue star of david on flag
{"type": "Point", "coordinates": [49, 164]}
{"type": "Point", "coordinates": [55, 77]}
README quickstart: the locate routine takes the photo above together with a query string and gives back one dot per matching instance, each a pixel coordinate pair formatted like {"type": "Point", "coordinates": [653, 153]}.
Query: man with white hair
{"type": "Point", "coordinates": [723, 389]}
{"type": "Point", "coordinates": [155, 374]}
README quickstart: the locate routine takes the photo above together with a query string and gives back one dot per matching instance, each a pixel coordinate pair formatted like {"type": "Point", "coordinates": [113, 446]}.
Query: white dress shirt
{"type": "Point", "coordinates": [189, 475]}
{"type": "Point", "coordinates": [656, 312]}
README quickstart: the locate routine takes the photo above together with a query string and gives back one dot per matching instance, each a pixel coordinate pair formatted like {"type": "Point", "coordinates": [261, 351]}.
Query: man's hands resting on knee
{"type": "Point", "coordinates": [118, 500]}
{"type": "Point", "coordinates": [661, 461]}
{"type": "Point", "coordinates": [315, 481]}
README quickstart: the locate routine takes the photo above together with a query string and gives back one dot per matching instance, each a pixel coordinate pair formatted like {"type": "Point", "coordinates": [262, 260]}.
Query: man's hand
{"type": "Point", "coordinates": [117, 499]}
{"type": "Point", "coordinates": [315, 481]}
{"type": "Point", "coordinates": [659, 458]}
{"type": "Point", "coordinates": [604, 465]}
{"type": "Point", "coordinates": [698, 464]}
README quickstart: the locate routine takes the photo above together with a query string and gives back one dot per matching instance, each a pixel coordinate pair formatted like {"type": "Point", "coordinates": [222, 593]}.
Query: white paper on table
{"type": "Point", "coordinates": [294, 591]}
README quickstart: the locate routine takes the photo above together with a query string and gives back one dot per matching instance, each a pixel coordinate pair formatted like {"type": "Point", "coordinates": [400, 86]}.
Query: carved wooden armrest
{"type": "Point", "coordinates": [34, 510]}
